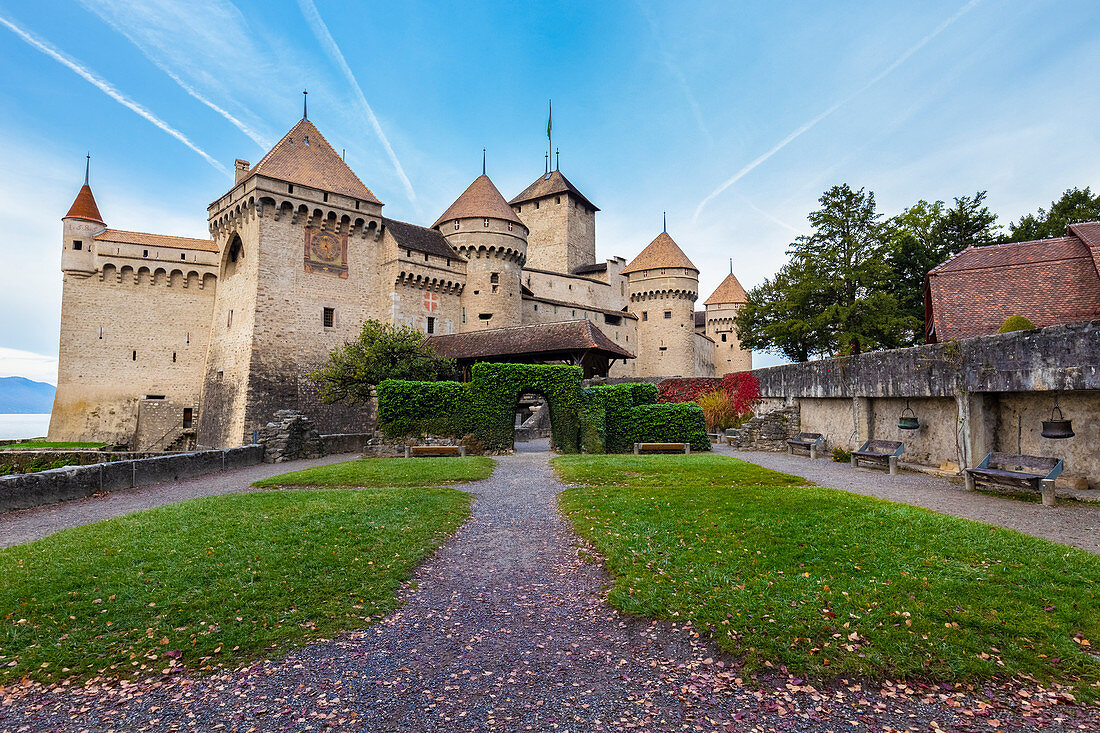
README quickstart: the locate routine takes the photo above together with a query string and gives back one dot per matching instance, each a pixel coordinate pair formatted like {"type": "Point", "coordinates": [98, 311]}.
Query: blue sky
{"type": "Point", "coordinates": [733, 117]}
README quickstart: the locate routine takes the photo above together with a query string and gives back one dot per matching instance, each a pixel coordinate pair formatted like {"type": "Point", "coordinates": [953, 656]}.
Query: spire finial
{"type": "Point", "coordinates": [483, 161]}
{"type": "Point", "coordinates": [557, 159]}
{"type": "Point", "coordinates": [87, 167]}
{"type": "Point", "coordinates": [305, 108]}
{"type": "Point", "coordinates": [731, 265]}
{"type": "Point", "coordinates": [664, 222]}
{"type": "Point", "coordinates": [546, 164]}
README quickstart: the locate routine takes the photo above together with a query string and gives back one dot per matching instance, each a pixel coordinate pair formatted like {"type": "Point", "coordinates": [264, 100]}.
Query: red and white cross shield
{"type": "Point", "coordinates": [431, 301]}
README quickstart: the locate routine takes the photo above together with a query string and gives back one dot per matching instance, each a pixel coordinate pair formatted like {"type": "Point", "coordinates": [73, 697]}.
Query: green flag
{"type": "Point", "coordinates": [549, 117]}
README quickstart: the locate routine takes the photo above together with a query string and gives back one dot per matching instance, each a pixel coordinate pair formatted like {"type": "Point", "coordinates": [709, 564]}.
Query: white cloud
{"type": "Point", "coordinates": [107, 88]}
{"type": "Point", "coordinates": [39, 367]}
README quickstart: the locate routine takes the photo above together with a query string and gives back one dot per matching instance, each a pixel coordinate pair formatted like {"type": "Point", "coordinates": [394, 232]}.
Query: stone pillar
{"type": "Point", "coordinates": [976, 426]}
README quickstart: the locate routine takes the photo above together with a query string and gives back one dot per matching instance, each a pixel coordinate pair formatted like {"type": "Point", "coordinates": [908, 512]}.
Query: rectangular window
{"type": "Point", "coordinates": [612, 320]}
{"type": "Point", "coordinates": [494, 277]}
{"type": "Point", "coordinates": [495, 288]}
{"type": "Point", "coordinates": [723, 337]}
{"type": "Point", "coordinates": [183, 256]}
{"type": "Point", "coordinates": [144, 253]}
{"type": "Point", "coordinates": [645, 315]}
{"type": "Point", "coordinates": [229, 319]}
{"type": "Point", "coordinates": [290, 188]}
{"type": "Point", "coordinates": [133, 355]}
{"type": "Point", "coordinates": [431, 324]}
{"type": "Point", "coordinates": [324, 197]}
{"type": "Point", "coordinates": [663, 348]}
{"type": "Point", "coordinates": [188, 417]}
{"type": "Point", "coordinates": [463, 315]}
{"type": "Point", "coordinates": [328, 317]}
{"type": "Point", "coordinates": [668, 314]}
{"type": "Point", "coordinates": [77, 244]}
{"type": "Point", "coordinates": [173, 357]}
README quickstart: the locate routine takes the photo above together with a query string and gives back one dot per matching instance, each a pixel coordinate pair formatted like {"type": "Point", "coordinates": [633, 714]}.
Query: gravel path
{"type": "Point", "coordinates": [26, 525]}
{"type": "Point", "coordinates": [1070, 522]}
{"type": "Point", "coordinates": [506, 629]}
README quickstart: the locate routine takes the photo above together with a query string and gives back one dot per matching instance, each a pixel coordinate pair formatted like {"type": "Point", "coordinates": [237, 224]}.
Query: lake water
{"type": "Point", "coordinates": [23, 426]}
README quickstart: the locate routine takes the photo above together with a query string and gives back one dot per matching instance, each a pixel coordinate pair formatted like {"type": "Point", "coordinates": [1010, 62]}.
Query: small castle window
{"type": "Point", "coordinates": [484, 316]}
{"type": "Point", "coordinates": [486, 223]}
{"type": "Point", "coordinates": [357, 206]}
{"type": "Point", "coordinates": [173, 357]}
{"type": "Point", "coordinates": [536, 306]}
{"type": "Point", "coordinates": [456, 225]}
{"type": "Point", "coordinates": [290, 188]}
{"type": "Point", "coordinates": [463, 315]}
{"type": "Point", "coordinates": [324, 197]}
{"type": "Point", "coordinates": [557, 199]}
{"type": "Point", "coordinates": [431, 324]}
{"type": "Point", "coordinates": [183, 255]}
{"type": "Point", "coordinates": [574, 314]}
{"type": "Point", "coordinates": [144, 253]}
{"type": "Point", "coordinates": [229, 319]}
{"type": "Point", "coordinates": [494, 277]}
{"type": "Point", "coordinates": [495, 287]}
{"type": "Point", "coordinates": [723, 337]}
{"type": "Point", "coordinates": [307, 139]}
{"type": "Point", "coordinates": [101, 333]}
{"type": "Point", "coordinates": [78, 245]}
{"type": "Point", "coordinates": [188, 417]}
{"type": "Point", "coordinates": [645, 315]}
{"type": "Point", "coordinates": [328, 317]}
{"type": "Point", "coordinates": [662, 348]}
{"type": "Point", "coordinates": [133, 356]}
{"type": "Point", "coordinates": [668, 314]}
{"type": "Point", "coordinates": [536, 204]}
{"type": "Point", "coordinates": [425, 256]}
{"type": "Point", "coordinates": [408, 253]}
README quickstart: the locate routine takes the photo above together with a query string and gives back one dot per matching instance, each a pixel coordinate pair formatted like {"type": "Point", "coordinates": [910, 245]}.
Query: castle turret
{"type": "Point", "coordinates": [485, 230]}
{"type": "Point", "coordinates": [721, 310]}
{"type": "Point", "coordinates": [663, 284]}
{"type": "Point", "coordinates": [562, 224]}
{"type": "Point", "coordinates": [79, 227]}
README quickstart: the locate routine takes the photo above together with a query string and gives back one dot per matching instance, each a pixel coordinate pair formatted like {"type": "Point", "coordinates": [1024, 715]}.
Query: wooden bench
{"type": "Point", "coordinates": [879, 453]}
{"type": "Point", "coordinates": [640, 448]}
{"type": "Point", "coordinates": [1033, 473]}
{"type": "Point", "coordinates": [715, 437]}
{"type": "Point", "coordinates": [808, 441]}
{"type": "Point", "coordinates": [422, 451]}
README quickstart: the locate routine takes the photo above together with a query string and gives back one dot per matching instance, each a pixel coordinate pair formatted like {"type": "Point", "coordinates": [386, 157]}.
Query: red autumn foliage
{"type": "Point", "coordinates": [742, 388]}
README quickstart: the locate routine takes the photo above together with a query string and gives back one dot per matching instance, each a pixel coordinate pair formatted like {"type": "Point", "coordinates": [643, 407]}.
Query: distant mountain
{"type": "Point", "coordinates": [23, 396]}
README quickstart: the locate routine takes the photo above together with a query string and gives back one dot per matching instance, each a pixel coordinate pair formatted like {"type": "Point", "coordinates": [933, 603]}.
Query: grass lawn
{"type": "Point", "coordinates": [368, 472]}
{"type": "Point", "coordinates": [213, 581]}
{"type": "Point", "coordinates": [830, 583]}
{"type": "Point", "coordinates": [44, 445]}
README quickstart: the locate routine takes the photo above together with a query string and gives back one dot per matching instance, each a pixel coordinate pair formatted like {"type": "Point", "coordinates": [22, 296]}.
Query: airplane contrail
{"type": "Point", "coordinates": [806, 126]}
{"type": "Point", "coordinates": [321, 31]}
{"type": "Point", "coordinates": [108, 89]}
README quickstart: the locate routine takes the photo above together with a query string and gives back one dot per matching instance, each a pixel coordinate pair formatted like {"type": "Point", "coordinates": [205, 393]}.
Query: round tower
{"type": "Point", "coordinates": [79, 227]}
{"type": "Point", "coordinates": [485, 230]}
{"type": "Point", "coordinates": [663, 284]}
{"type": "Point", "coordinates": [721, 327]}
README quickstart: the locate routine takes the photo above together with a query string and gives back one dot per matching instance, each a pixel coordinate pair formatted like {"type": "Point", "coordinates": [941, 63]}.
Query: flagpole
{"type": "Point", "coordinates": [550, 124]}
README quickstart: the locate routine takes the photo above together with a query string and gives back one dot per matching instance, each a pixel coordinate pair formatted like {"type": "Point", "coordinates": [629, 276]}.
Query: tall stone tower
{"type": "Point", "coordinates": [297, 237]}
{"type": "Point", "coordinates": [562, 224]}
{"type": "Point", "coordinates": [79, 226]}
{"type": "Point", "coordinates": [721, 310]}
{"type": "Point", "coordinates": [485, 230]}
{"type": "Point", "coordinates": [663, 284]}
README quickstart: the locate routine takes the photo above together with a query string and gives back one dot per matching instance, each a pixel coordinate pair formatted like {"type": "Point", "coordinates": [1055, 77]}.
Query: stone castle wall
{"type": "Point", "coordinates": [729, 357]}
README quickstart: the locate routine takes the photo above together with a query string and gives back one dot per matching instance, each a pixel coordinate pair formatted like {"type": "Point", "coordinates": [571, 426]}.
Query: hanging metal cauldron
{"type": "Point", "coordinates": [910, 421]}
{"type": "Point", "coordinates": [1057, 429]}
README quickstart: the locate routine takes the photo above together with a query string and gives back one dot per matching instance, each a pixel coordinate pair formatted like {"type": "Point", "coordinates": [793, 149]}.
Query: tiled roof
{"type": "Point", "coordinates": [661, 252]}
{"type": "Point", "coordinates": [536, 338]}
{"type": "Point", "coordinates": [481, 199]}
{"type": "Point", "coordinates": [156, 240]}
{"type": "Point", "coordinates": [550, 185]}
{"type": "Point", "coordinates": [422, 239]}
{"type": "Point", "coordinates": [1089, 233]}
{"type": "Point", "coordinates": [1049, 281]}
{"type": "Point", "coordinates": [84, 207]}
{"type": "Point", "coordinates": [528, 295]}
{"type": "Point", "coordinates": [313, 163]}
{"type": "Point", "coordinates": [587, 269]}
{"type": "Point", "coordinates": [729, 291]}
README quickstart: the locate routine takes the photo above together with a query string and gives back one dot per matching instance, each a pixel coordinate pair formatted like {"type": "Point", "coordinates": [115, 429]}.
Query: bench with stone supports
{"type": "Point", "coordinates": [883, 453]}
{"type": "Point", "coordinates": [806, 441]}
{"type": "Point", "coordinates": [423, 451]}
{"type": "Point", "coordinates": [1033, 473]}
{"type": "Point", "coordinates": [640, 448]}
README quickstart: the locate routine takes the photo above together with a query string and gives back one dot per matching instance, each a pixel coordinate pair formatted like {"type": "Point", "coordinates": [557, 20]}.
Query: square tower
{"type": "Point", "coordinates": [561, 223]}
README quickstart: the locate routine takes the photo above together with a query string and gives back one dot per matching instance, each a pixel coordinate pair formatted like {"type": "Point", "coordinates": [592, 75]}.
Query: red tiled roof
{"type": "Point", "coordinates": [84, 207]}
{"type": "Point", "coordinates": [422, 239]}
{"type": "Point", "coordinates": [729, 291]}
{"type": "Point", "coordinates": [661, 252]}
{"type": "Point", "coordinates": [313, 163]}
{"type": "Point", "coordinates": [550, 184]}
{"type": "Point", "coordinates": [480, 200]}
{"type": "Point", "coordinates": [1048, 281]}
{"type": "Point", "coordinates": [536, 338]}
{"type": "Point", "coordinates": [156, 240]}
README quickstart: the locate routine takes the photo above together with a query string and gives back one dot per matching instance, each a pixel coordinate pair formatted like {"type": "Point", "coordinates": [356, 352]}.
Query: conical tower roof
{"type": "Point", "coordinates": [730, 291]}
{"type": "Point", "coordinates": [550, 184]}
{"type": "Point", "coordinates": [304, 157]}
{"type": "Point", "coordinates": [480, 200]}
{"type": "Point", "coordinates": [84, 207]}
{"type": "Point", "coordinates": [661, 252]}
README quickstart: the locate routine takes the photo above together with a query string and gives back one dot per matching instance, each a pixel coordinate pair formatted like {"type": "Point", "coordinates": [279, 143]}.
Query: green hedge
{"type": "Point", "coordinates": [414, 408]}
{"type": "Point", "coordinates": [617, 403]}
{"type": "Point", "coordinates": [670, 423]}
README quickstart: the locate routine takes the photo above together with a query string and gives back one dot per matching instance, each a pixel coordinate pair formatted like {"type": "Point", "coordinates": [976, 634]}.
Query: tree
{"type": "Point", "coordinates": [966, 224]}
{"type": "Point", "coordinates": [382, 351]}
{"type": "Point", "coordinates": [832, 296]}
{"type": "Point", "coordinates": [912, 238]}
{"type": "Point", "coordinates": [1075, 206]}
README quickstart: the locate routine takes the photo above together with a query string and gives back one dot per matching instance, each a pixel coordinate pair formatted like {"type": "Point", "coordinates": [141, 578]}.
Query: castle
{"type": "Point", "coordinates": [168, 342]}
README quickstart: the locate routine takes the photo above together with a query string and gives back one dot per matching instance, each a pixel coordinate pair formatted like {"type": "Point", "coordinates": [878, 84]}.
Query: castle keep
{"type": "Point", "coordinates": [168, 342]}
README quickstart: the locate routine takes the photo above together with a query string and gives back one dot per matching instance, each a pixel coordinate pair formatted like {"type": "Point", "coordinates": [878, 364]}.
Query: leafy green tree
{"type": "Point", "coordinates": [969, 223]}
{"type": "Point", "coordinates": [832, 296]}
{"type": "Point", "coordinates": [912, 239]}
{"type": "Point", "coordinates": [1075, 206]}
{"type": "Point", "coordinates": [382, 351]}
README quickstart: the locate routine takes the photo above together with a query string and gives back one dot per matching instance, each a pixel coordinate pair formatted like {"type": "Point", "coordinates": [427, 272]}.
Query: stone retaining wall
{"type": "Point", "coordinates": [22, 491]}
